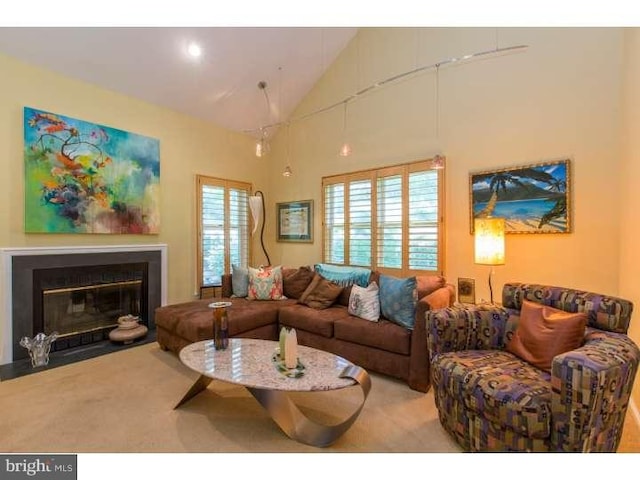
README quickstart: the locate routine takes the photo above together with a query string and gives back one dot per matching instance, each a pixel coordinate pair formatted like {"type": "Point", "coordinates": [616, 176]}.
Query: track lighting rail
{"type": "Point", "coordinates": [395, 78]}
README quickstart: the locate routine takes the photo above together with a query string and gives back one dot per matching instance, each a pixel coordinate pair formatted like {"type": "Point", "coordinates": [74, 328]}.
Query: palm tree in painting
{"type": "Point", "coordinates": [560, 208]}
{"type": "Point", "coordinates": [523, 178]}
{"type": "Point", "coordinates": [497, 181]}
{"type": "Point", "coordinates": [557, 211]}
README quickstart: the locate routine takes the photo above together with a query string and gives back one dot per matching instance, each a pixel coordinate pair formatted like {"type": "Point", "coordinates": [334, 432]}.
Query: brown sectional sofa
{"type": "Point", "coordinates": [384, 347]}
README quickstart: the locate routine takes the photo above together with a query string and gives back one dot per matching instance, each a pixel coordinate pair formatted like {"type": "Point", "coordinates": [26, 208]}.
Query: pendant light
{"type": "Point", "coordinates": [262, 145]}
{"type": "Point", "coordinates": [287, 171]}
{"type": "Point", "coordinates": [438, 160]}
{"type": "Point", "coordinates": [345, 149]}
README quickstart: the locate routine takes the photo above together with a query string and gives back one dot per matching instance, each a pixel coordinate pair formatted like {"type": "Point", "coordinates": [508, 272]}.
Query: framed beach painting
{"type": "Point", "coordinates": [81, 177]}
{"type": "Point", "coordinates": [531, 198]}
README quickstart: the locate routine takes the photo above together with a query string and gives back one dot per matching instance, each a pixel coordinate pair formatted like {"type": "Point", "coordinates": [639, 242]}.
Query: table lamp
{"type": "Point", "coordinates": [489, 244]}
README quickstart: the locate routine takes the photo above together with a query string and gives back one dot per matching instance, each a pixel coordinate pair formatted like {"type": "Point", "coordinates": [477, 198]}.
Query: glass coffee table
{"type": "Point", "coordinates": [251, 364]}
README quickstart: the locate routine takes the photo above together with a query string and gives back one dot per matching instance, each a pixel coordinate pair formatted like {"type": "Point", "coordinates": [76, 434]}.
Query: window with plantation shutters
{"type": "Point", "coordinates": [333, 234]}
{"type": "Point", "coordinates": [389, 231]}
{"type": "Point", "coordinates": [223, 227]}
{"type": "Point", "coordinates": [423, 231]}
{"type": "Point", "coordinates": [387, 219]}
{"type": "Point", "coordinates": [360, 222]}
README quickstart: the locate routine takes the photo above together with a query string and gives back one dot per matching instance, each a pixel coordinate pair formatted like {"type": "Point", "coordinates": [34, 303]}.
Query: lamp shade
{"type": "Point", "coordinates": [489, 241]}
{"type": "Point", "coordinates": [255, 204]}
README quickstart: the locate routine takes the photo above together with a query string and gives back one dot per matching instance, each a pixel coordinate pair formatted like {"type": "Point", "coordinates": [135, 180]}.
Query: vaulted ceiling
{"type": "Point", "coordinates": [221, 86]}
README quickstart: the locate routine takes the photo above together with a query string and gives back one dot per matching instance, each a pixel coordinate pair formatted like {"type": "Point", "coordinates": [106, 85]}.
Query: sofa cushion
{"type": "Point", "coordinates": [295, 281]}
{"type": "Point", "coordinates": [196, 313]}
{"type": "Point", "coordinates": [194, 320]}
{"type": "Point", "coordinates": [365, 302]}
{"type": "Point", "coordinates": [265, 283]}
{"type": "Point", "coordinates": [544, 332]}
{"type": "Point", "coordinates": [319, 322]}
{"type": "Point", "coordinates": [320, 294]}
{"type": "Point", "coordinates": [384, 334]}
{"type": "Point", "coordinates": [245, 314]}
{"type": "Point", "coordinates": [498, 386]}
{"type": "Point", "coordinates": [398, 298]}
{"type": "Point", "coordinates": [240, 281]}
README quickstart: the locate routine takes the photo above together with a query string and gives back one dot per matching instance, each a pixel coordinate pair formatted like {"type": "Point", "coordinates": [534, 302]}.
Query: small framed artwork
{"type": "Point", "coordinates": [466, 290]}
{"type": "Point", "coordinates": [295, 221]}
{"type": "Point", "coordinates": [531, 198]}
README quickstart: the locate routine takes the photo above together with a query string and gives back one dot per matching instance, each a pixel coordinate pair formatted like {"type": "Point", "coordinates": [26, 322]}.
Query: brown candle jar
{"type": "Point", "coordinates": [220, 325]}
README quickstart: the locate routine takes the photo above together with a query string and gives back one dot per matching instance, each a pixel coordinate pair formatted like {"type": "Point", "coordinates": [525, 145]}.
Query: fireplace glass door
{"type": "Point", "coordinates": [91, 308]}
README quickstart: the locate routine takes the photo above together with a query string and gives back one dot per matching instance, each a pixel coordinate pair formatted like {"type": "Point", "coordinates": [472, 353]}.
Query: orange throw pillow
{"type": "Point", "coordinates": [544, 332]}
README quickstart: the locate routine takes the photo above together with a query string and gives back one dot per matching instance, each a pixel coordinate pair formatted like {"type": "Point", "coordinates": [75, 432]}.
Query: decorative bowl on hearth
{"type": "Point", "coordinates": [128, 322]}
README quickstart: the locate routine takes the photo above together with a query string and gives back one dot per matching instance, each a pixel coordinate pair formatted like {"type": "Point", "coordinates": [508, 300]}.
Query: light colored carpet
{"type": "Point", "coordinates": [123, 403]}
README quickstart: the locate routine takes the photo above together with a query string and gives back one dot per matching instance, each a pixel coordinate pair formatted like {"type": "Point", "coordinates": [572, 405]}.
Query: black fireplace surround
{"type": "Point", "coordinates": [33, 274]}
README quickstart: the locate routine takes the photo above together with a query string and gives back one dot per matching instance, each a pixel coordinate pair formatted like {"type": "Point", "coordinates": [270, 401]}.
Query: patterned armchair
{"type": "Point", "coordinates": [491, 400]}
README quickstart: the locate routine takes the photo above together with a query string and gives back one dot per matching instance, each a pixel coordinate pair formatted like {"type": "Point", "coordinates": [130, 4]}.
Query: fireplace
{"type": "Point", "coordinates": [83, 304]}
{"type": "Point", "coordinates": [80, 292]}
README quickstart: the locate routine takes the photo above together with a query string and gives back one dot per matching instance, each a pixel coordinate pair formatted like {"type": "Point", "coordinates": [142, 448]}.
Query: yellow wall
{"type": "Point", "coordinates": [630, 200]}
{"type": "Point", "coordinates": [558, 99]}
{"type": "Point", "coordinates": [562, 98]}
{"type": "Point", "coordinates": [187, 147]}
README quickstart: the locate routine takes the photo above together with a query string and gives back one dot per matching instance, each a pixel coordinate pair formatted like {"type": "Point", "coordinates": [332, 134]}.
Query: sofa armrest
{"type": "Point", "coordinates": [465, 328]}
{"type": "Point", "coordinates": [441, 298]}
{"type": "Point", "coordinates": [591, 387]}
{"type": "Point", "coordinates": [419, 360]}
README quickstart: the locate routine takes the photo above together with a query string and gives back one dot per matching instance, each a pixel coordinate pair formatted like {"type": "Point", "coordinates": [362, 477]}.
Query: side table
{"type": "Point", "coordinates": [210, 291]}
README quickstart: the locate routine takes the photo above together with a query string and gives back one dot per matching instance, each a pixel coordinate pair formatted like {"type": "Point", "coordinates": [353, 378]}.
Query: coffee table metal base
{"type": "Point", "coordinates": [289, 417]}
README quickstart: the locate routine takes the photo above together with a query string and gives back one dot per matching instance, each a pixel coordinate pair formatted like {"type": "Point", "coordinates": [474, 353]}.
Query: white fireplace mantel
{"type": "Point", "coordinates": [6, 293]}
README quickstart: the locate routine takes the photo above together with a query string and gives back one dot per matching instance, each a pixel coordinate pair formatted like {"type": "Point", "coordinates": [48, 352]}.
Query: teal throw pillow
{"type": "Point", "coordinates": [343, 275]}
{"type": "Point", "coordinates": [239, 281]}
{"type": "Point", "coordinates": [398, 298]}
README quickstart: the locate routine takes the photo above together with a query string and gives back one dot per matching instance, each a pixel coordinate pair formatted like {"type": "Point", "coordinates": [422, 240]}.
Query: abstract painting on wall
{"type": "Point", "coordinates": [81, 177]}
{"type": "Point", "coordinates": [531, 198]}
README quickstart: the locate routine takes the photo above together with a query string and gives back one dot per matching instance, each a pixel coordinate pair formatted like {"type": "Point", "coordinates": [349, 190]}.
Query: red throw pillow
{"type": "Point", "coordinates": [544, 332]}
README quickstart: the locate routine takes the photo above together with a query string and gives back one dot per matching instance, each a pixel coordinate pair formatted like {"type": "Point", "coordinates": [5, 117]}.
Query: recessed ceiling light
{"type": "Point", "coordinates": [194, 50]}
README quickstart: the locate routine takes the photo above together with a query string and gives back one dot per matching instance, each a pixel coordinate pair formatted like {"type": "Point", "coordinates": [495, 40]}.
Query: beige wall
{"type": "Point", "coordinates": [558, 99]}
{"type": "Point", "coordinates": [630, 200]}
{"type": "Point", "coordinates": [187, 147]}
